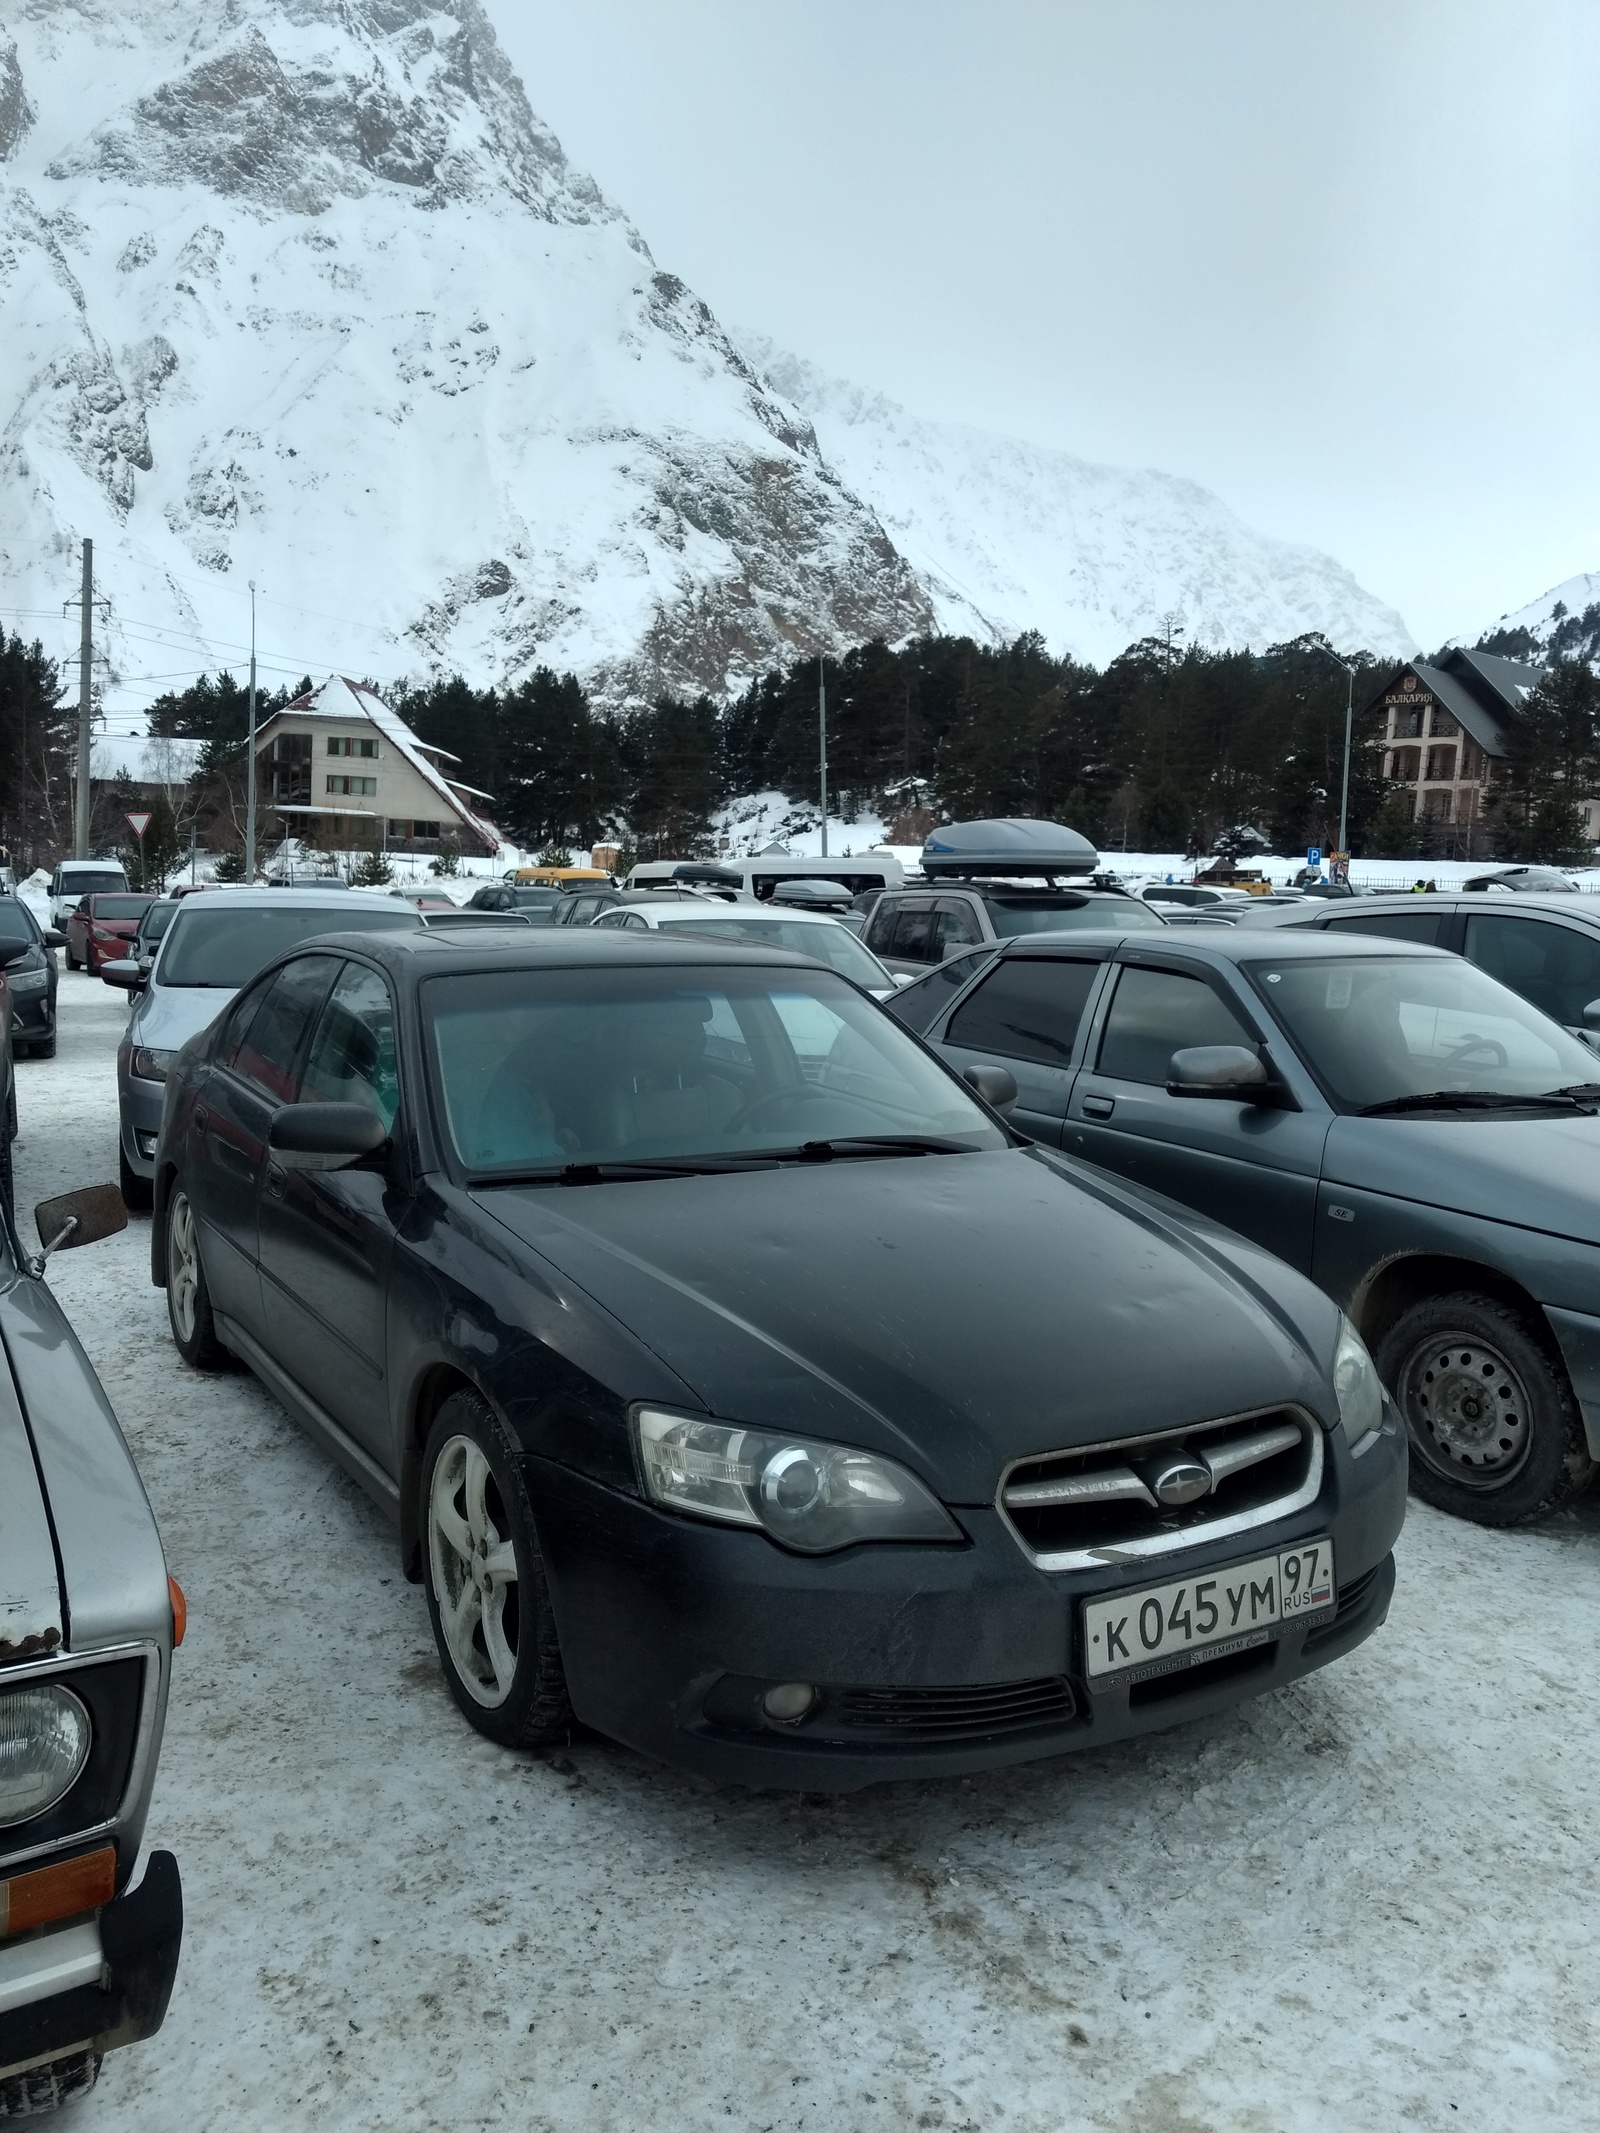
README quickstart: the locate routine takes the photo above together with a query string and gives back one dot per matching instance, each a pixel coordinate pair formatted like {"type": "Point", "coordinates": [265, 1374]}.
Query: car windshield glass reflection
{"type": "Point", "coordinates": [1125, 913]}
{"type": "Point", "coordinates": [545, 1071]}
{"type": "Point", "coordinates": [1375, 1032]}
{"type": "Point", "coordinates": [228, 945]}
{"type": "Point", "coordinates": [830, 944]}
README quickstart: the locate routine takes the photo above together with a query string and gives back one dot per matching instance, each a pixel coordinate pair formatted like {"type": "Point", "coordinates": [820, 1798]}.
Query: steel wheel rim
{"type": "Point", "coordinates": [1467, 1410]}
{"type": "Point", "coordinates": [474, 1567]}
{"type": "Point", "coordinates": [183, 1267]}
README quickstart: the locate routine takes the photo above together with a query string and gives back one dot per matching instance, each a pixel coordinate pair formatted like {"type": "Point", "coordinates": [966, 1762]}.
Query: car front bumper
{"type": "Point", "coordinates": [929, 1661]}
{"type": "Point", "coordinates": [139, 1107]}
{"type": "Point", "coordinates": [94, 1983]}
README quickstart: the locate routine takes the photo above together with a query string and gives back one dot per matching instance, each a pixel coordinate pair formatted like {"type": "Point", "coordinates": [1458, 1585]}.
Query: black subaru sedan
{"type": "Point", "coordinates": [740, 1383]}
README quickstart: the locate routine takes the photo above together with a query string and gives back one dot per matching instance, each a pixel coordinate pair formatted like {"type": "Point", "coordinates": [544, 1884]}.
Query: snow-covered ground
{"type": "Point", "coordinates": [1363, 1903]}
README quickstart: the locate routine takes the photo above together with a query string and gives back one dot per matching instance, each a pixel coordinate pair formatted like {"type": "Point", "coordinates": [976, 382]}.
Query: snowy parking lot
{"type": "Point", "coordinates": [1364, 1902]}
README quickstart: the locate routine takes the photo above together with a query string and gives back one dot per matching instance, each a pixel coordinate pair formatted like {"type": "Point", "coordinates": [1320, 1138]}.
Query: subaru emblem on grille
{"type": "Point", "coordinates": [1179, 1481]}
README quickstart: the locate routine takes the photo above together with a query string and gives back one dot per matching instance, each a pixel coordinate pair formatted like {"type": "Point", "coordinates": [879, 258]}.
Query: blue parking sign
{"type": "Point", "coordinates": [1314, 856]}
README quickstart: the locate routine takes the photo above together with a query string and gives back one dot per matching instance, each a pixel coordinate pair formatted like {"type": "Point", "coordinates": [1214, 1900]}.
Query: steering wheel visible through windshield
{"type": "Point", "coordinates": [545, 1070]}
{"type": "Point", "coordinates": [1377, 1032]}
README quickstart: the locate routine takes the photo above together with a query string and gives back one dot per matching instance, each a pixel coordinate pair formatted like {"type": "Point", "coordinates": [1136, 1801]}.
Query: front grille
{"type": "Point", "coordinates": [1072, 1508]}
{"type": "Point", "coordinates": [948, 1714]}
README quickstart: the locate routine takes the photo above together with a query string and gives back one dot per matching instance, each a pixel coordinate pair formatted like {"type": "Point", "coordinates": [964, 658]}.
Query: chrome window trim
{"type": "Point", "coordinates": [143, 1742]}
{"type": "Point", "coordinates": [1163, 1544]}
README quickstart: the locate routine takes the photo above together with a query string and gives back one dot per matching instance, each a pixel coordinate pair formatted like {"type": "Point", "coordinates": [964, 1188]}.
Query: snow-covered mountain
{"type": "Point", "coordinates": [301, 291]}
{"type": "Point", "coordinates": [1563, 623]}
{"type": "Point", "coordinates": [1009, 536]}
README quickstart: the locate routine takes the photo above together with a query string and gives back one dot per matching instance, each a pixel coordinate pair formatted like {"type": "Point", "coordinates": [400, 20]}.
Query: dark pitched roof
{"type": "Point", "coordinates": [1482, 693]}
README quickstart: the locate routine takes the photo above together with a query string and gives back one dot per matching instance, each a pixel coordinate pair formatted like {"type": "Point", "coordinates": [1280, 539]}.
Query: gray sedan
{"type": "Point", "coordinates": [1391, 1120]}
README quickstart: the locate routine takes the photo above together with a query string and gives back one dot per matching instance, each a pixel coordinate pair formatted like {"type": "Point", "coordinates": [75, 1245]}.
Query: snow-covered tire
{"type": "Point", "coordinates": [483, 1571]}
{"type": "Point", "coordinates": [1495, 1431]}
{"type": "Point", "coordinates": [194, 1330]}
{"type": "Point", "coordinates": [45, 2088]}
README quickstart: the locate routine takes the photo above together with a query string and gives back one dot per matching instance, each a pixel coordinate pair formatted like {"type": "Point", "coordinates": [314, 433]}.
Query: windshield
{"type": "Point", "coordinates": [541, 1069]}
{"type": "Point", "coordinates": [123, 907]}
{"type": "Point", "coordinates": [14, 921]}
{"type": "Point", "coordinates": [84, 881]}
{"type": "Point", "coordinates": [834, 945]}
{"type": "Point", "coordinates": [156, 920]}
{"type": "Point", "coordinates": [225, 945]}
{"type": "Point", "coordinates": [1374, 1030]}
{"type": "Point", "coordinates": [1055, 915]}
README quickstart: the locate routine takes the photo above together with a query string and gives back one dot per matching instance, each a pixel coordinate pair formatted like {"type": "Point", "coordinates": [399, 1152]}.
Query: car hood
{"type": "Point", "coordinates": [955, 1312]}
{"type": "Point", "coordinates": [165, 1017]}
{"type": "Point", "coordinates": [1540, 1173]}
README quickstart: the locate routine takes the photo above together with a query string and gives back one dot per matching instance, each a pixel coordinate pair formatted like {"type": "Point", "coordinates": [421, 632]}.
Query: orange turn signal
{"type": "Point", "coordinates": [180, 1609]}
{"type": "Point", "coordinates": [58, 1891]}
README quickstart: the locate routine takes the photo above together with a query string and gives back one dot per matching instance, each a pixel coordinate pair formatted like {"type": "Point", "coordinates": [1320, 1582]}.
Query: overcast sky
{"type": "Point", "coordinates": [1335, 260]}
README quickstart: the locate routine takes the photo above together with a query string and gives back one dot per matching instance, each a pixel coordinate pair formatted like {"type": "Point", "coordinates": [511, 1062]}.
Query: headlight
{"type": "Point", "coordinates": [1357, 1384]}
{"type": "Point", "coordinates": [28, 980]}
{"type": "Point", "coordinates": [151, 1065]}
{"type": "Point", "coordinates": [808, 1495]}
{"type": "Point", "coordinates": [44, 1743]}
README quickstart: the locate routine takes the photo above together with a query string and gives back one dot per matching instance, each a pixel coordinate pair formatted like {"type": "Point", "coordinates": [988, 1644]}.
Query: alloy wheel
{"type": "Point", "coordinates": [474, 1567]}
{"type": "Point", "coordinates": [1466, 1408]}
{"type": "Point", "coordinates": [183, 1266]}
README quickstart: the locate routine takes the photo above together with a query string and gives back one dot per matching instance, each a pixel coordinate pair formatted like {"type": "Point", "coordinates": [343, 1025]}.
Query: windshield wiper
{"type": "Point", "coordinates": [626, 1172]}
{"type": "Point", "coordinates": [877, 1144]}
{"type": "Point", "coordinates": [1480, 1100]}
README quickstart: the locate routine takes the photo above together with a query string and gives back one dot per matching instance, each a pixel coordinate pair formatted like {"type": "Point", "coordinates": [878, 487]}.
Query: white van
{"type": "Point", "coordinates": [760, 875]}
{"type": "Point", "coordinates": [74, 879]}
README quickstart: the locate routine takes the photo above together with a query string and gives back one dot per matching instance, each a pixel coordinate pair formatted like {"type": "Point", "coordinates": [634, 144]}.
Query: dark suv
{"type": "Point", "coordinates": [913, 929]}
{"type": "Point", "coordinates": [31, 977]}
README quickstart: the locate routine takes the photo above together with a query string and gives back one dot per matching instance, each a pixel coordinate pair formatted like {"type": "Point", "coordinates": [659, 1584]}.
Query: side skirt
{"type": "Point", "coordinates": [315, 1420]}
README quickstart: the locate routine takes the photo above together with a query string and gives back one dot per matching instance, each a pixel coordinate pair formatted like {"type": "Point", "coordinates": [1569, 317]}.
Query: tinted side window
{"type": "Point", "coordinates": [955, 926]}
{"type": "Point", "coordinates": [1156, 1013]}
{"type": "Point", "coordinates": [919, 1006]}
{"type": "Point", "coordinates": [880, 926]}
{"type": "Point", "coordinates": [1555, 967]}
{"type": "Point", "coordinates": [352, 1056]}
{"type": "Point", "coordinates": [1026, 1010]}
{"type": "Point", "coordinates": [913, 936]}
{"type": "Point", "coordinates": [268, 1049]}
{"type": "Point", "coordinates": [1394, 925]}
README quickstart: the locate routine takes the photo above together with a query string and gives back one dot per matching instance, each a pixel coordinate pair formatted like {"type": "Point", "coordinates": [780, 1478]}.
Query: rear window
{"type": "Point", "coordinates": [121, 906]}
{"type": "Point", "coordinates": [227, 945]}
{"type": "Point", "coordinates": [1054, 914]}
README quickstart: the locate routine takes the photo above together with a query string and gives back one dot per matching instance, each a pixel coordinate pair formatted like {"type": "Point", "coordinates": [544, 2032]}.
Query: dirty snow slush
{"type": "Point", "coordinates": [1363, 1902]}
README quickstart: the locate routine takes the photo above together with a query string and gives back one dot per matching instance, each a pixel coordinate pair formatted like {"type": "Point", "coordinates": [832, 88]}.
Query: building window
{"type": "Point", "coordinates": [1441, 725]}
{"type": "Point", "coordinates": [1407, 724]}
{"type": "Point", "coordinates": [1441, 762]}
{"type": "Point", "coordinates": [342, 745]}
{"type": "Point", "coordinates": [413, 829]}
{"type": "Point", "coordinates": [352, 785]}
{"type": "Point", "coordinates": [1405, 763]}
{"type": "Point", "coordinates": [1436, 806]}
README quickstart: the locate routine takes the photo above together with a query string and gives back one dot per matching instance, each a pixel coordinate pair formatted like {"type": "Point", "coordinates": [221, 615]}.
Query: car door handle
{"type": "Point", "coordinates": [277, 1178]}
{"type": "Point", "coordinates": [1099, 1106]}
{"type": "Point", "coordinates": [202, 1118]}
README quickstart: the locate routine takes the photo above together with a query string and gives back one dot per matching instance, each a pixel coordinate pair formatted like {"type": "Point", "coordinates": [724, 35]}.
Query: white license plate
{"type": "Point", "coordinates": [1140, 1634]}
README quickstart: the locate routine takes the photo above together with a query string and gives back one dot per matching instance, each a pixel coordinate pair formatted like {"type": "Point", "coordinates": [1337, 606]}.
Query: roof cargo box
{"type": "Point", "coordinates": [1017, 846]}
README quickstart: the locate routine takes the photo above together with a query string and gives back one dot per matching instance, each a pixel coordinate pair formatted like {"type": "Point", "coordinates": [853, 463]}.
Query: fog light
{"type": "Point", "coordinates": [789, 1701]}
{"type": "Point", "coordinates": [44, 1744]}
{"type": "Point", "coordinates": [146, 1144]}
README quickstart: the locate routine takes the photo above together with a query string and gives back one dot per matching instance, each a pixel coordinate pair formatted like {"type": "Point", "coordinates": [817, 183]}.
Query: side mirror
{"type": "Point", "coordinates": [54, 937]}
{"type": "Point", "coordinates": [13, 952]}
{"type": "Point", "coordinates": [1591, 1015]}
{"type": "Point", "coordinates": [997, 1085]}
{"type": "Point", "coordinates": [325, 1136]}
{"type": "Point", "coordinates": [1229, 1071]}
{"type": "Point", "coordinates": [125, 972]}
{"type": "Point", "coordinates": [75, 1218]}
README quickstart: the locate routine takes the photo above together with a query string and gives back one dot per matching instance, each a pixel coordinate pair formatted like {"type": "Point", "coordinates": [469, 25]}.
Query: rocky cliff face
{"type": "Point", "coordinates": [302, 291]}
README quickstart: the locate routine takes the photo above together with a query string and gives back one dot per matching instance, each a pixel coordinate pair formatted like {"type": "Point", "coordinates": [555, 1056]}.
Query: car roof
{"type": "Point", "coordinates": [1225, 943]}
{"type": "Point", "coordinates": [428, 953]}
{"type": "Point", "coordinates": [293, 899]}
{"type": "Point", "coordinates": [1322, 910]}
{"type": "Point", "coordinates": [688, 913]}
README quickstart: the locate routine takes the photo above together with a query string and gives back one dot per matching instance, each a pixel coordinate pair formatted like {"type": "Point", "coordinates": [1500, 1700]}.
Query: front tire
{"type": "Point", "coordinates": [484, 1574]}
{"type": "Point", "coordinates": [194, 1330]}
{"type": "Point", "coordinates": [1495, 1432]}
{"type": "Point", "coordinates": [46, 2088]}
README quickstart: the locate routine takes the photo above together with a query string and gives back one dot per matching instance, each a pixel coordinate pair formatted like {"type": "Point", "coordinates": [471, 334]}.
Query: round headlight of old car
{"type": "Point", "coordinates": [44, 1744]}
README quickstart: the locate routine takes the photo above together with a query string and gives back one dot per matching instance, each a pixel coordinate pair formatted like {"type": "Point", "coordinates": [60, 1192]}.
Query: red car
{"type": "Point", "coordinates": [101, 928]}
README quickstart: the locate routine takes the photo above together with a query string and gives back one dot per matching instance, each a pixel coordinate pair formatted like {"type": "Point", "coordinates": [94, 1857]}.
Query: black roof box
{"type": "Point", "coordinates": [1016, 846]}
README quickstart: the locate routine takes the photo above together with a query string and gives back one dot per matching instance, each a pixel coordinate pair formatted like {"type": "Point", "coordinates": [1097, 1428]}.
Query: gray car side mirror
{"type": "Point", "coordinates": [125, 972]}
{"type": "Point", "coordinates": [997, 1085]}
{"type": "Point", "coordinates": [1591, 1015]}
{"type": "Point", "coordinates": [325, 1136]}
{"type": "Point", "coordinates": [1229, 1071]}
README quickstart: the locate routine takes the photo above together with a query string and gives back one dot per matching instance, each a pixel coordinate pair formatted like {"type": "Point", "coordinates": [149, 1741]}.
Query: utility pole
{"type": "Point", "coordinates": [250, 766]}
{"type": "Point", "coordinates": [822, 743]}
{"type": "Point", "coordinates": [85, 707]}
{"type": "Point", "coordinates": [1320, 644]}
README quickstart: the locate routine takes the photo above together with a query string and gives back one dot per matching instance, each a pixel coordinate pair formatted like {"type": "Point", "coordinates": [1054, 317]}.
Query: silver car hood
{"type": "Point", "coordinates": [30, 1598]}
{"type": "Point", "coordinates": [165, 1017]}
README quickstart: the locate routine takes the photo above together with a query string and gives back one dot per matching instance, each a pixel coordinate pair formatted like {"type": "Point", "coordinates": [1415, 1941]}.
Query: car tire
{"type": "Point", "coordinates": [194, 1330]}
{"type": "Point", "coordinates": [138, 1194]}
{"type": "Point", "coordinates": [1494, 1429]}
{"type": "Point", "coordinates": [46, 2088]}
{"type": "Point", "coordinates": [483, 1570]}
{"type": "Point", "coordinates": [72, 960]}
